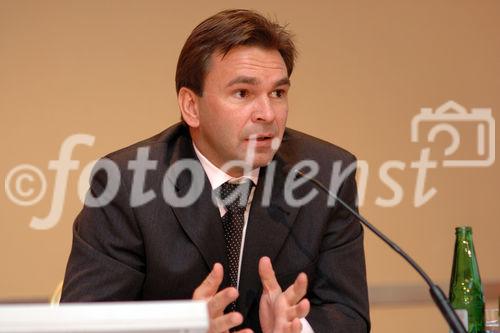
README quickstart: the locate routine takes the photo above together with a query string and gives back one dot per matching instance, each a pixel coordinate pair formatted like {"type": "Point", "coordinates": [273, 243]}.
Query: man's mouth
{"type": "Point", "coordinates": [260, 137]}
{"type": "Point", "coordinates": [264, 141]}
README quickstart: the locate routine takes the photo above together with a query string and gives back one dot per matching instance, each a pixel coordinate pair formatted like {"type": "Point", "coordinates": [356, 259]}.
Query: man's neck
{"type": "Point", "coordinates": [217, 176]}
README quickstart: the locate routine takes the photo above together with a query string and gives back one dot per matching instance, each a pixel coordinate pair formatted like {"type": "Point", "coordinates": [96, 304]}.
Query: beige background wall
{"type": "Point", "coordinates": [106, 68]}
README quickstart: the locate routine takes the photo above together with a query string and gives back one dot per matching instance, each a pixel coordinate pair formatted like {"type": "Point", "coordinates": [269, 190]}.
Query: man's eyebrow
{"type": "Point", "coordinates": [283, 82]}
{"type": "Point", "coordinates": [255, 81]}
{"type": "Point", "coordinates": [243, 79]}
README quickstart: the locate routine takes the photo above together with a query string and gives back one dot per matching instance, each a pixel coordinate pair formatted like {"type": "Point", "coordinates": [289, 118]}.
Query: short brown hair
{"type": "Point", "coordinates": [224, 31]}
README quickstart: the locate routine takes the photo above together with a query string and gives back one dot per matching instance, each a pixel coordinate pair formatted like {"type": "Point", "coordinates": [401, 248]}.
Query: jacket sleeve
{"type": "Point", "coordinates": [106, 262]}
{"type": "Point", "coordinates": [338, 294]}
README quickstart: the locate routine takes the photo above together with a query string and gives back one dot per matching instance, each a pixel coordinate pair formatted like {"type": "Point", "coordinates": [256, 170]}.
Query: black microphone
{"type": "Point", "coordinates": [437, 294]}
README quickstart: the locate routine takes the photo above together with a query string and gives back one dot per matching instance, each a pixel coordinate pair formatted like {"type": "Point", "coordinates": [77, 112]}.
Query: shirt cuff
{"type": "Point", "coordinates": [306, 328]}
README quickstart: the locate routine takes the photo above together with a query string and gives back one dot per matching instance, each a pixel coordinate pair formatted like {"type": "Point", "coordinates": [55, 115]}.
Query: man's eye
{"type": "Point", "coordinates": [242, 93]}
{"type": "Point", "coordinates": [279, 93]}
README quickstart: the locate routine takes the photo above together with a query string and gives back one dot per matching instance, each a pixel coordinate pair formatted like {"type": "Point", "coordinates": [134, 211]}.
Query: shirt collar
{"type": "Point", "coordinates": [217, 177]}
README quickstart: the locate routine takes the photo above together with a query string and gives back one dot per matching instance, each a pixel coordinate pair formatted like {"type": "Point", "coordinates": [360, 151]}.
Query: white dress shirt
{"type": "Point", "coordinates": [217, 177]}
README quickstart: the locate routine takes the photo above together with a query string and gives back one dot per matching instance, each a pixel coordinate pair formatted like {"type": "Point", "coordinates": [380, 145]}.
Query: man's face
{"type": "Point", "coordinates": [244, 105]}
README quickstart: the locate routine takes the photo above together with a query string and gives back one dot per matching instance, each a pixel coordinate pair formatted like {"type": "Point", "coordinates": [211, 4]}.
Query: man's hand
{"type": "Point", "coordinates": [218, 301]}
{"type": "Point", "coordinates": [280, 312]}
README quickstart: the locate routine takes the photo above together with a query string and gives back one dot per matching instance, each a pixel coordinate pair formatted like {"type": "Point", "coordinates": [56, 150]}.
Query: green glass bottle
{"type": "Point", "coordinates": [466, 291]}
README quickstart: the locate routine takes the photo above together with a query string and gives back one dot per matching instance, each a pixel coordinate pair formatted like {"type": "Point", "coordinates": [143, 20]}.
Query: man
{"type": "Point", "coordinates": [273, 263]}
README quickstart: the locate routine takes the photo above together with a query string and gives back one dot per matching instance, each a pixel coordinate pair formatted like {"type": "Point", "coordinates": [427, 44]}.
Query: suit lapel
{"type": "Point", "coordinates": [200, 221]}
{"type": "Point", "coordinates": [268, 228]}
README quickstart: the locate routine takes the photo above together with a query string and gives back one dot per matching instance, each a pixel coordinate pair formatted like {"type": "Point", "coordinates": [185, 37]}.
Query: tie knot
{"type": "Point", "coordinates": [235, 195]}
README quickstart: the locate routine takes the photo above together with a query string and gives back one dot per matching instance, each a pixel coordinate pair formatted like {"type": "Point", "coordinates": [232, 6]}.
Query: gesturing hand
{"type": "Point", "coordinates": [218, 301]}
{"type": "Point", "coordinates": [279, 311]}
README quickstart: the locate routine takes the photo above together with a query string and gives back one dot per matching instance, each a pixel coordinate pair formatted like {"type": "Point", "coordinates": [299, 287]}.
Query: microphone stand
{"type": "Point", "coordinates": [436, 292]}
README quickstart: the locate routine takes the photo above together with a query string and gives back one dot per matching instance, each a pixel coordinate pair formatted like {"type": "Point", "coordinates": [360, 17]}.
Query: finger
{"type": "Point", "coordinates": [296, 326]}
{"type": "Point", "coordinates": [298, 311]}
{"type": "Point", "coordinates": [211, 284]}
{"type": "Point", "coordinates": [297, 290]}
{"type": "Point", "coordinates": [221, 300]}
{"type": "Point", "coordinates": [245, 330]}
{"type": "Point", "coordinates": [226, 322]}
{"type": "Point", "coordinates": [267, 276]}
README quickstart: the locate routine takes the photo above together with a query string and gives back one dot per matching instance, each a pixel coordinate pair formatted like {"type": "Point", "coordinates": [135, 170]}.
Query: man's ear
{"type": "Point", "coordinates": [188, 104]}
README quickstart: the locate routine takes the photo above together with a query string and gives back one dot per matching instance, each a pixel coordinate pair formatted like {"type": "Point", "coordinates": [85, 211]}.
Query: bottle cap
{"type": "Point", "coordinates": [463, 229]}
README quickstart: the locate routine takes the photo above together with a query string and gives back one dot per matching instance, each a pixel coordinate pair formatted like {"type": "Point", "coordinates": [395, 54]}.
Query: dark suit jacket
{"type": "Point", "coordinates": [160, 252]}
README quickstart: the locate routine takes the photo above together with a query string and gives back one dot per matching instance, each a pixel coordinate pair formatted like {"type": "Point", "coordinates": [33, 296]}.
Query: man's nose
{"type": "Point", "coordinates": [264, 110]}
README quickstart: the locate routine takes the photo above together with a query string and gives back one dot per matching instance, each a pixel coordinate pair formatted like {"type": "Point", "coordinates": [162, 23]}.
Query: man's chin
{"type": "Point", "coordinates": [261, 160]}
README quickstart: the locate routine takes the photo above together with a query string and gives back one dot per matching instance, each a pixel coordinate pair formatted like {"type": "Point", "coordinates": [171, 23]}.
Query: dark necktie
{"type": "Point", "coordinates": [234, 197]}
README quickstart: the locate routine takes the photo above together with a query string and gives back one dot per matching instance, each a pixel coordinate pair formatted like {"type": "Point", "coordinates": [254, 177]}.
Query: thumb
{"type": "Point", "coordinates": [210, 285]}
